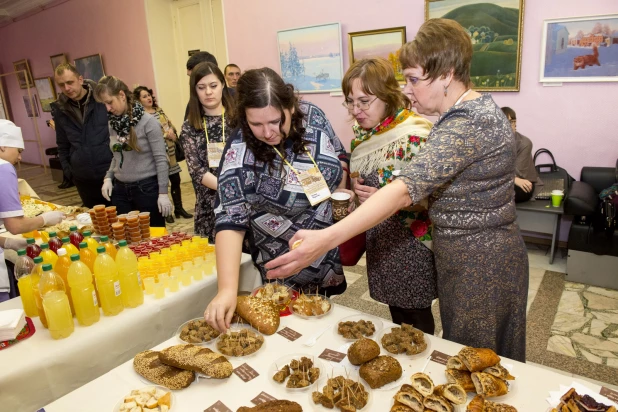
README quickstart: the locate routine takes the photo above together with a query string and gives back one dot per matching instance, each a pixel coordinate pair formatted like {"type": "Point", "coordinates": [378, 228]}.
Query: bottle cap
{"type": "Point", "coordinates": [122, 243]}
{"type": "Point", "coordinates": [86, 233]}
{"type": "Point", "coordinates": [83, 245]}
{"type": "Point", "coordinates": [72, 228]}
{"type": "Point", "coordinates": [74, 257]}
{"type": "Point", "coordinates": [30, 240]}
{"type": "Point", "coordinates": [21, 252]}
{"type": "Point", "coordinates": [104, 238]}
{"type": "Point", "coordinates": [61, 252]}
{"type": "Point", "coordinates": [101, 249]}
{"type": "Point", "coordinates": [66, 239]}
{"type": "Point", "coordinates": [52, 234]}
{"type": "Point", "coordinates": [47, 267]}
{"type": "Point", "coordinates": [38, 259]}
{"type": "Point", "coordinates": [44, 246]}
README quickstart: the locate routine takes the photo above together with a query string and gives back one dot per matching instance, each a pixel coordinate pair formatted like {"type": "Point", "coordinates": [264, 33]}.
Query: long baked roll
{"type": "Point", "coordinates": [462, 378]}
{"type": "Point", "coordinates": [477, 404]}
{"type": "Point", "coordinates": [477, 359]}
{"type": "Point", "coordinates": [148, 365]}
{"type": "Point", "coordinates": [499, 371]}
{"type": "Point", "coordinates": [488, 385]}
{"type": "Point", "coordinates": [453, 392]}
{"type": "Point", "coordinates": [422, 383]}
{"type": "Point", "coordinates": [438, 403]}
{"type": "Point", "coordinates": [454, 362]}
{"type": "Point", "coordinates": [410, 397]}
{"type": "Point", "coordinates": [197, 359]}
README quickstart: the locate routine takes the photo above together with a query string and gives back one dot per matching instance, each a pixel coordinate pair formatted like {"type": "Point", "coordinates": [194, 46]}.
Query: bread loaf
{"type": "Point", "coordinates": [363, 350]}
{"type": "Point", "coordinates": [148, 365]}
{"type": "Point", "coordinates": [273, 406]}
{"type": "Point", "coordinates": [262, 315]}
{"type": "Point", "coordinates": [381, 371]}
{"type": "Point", "coordinates": [197, 359]}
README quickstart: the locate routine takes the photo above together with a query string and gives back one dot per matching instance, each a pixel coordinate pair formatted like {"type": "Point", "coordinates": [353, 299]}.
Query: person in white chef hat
{"type": "Point", "coordinates": [11, 212]}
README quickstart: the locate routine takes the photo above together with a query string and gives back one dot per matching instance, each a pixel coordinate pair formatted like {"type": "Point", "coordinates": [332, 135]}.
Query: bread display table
{"type": "Point", "coordinates": [528, 393]}
{"type": "Point", "coordinates": [39, 369]}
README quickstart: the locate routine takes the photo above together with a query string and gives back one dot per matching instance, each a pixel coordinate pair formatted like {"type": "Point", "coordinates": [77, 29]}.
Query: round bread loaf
{"type": "Point", "coordinates": [363, 350]}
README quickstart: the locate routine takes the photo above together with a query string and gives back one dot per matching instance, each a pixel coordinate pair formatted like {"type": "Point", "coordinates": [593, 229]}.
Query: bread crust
{"type": "Point", "coordinates": [260, 314]}
{"type": "Point", "coordinates": [279, 405]}
{"type": "Point", "coordinates": [381, 371]}
{"type": "Point", "coordinates": [148, 365]}
{"type": "Point", "coordinates": [363, 350]}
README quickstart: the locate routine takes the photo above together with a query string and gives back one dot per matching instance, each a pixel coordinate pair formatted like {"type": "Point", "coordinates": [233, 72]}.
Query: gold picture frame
{"type": "Point", "coordinates": [5, 112]}
{"type": "Point", "coordinates": [25, 81]}
{"type": "Point", "coordinates": [46, 91]}
{"type": "Point", "coordinates": [497, 46]}
{"type": "Point", "coordinates": [58, 59]}
{"type": "Point", "coordinates": [385, 43]}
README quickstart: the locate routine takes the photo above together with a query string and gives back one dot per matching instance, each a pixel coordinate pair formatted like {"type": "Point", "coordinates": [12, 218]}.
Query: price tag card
{"type": "Point", "coordinates": [218, 407]}
{"type": "Point", "coordinates": [610, 394]}
{"type": "Point", "coordinates": [289, 334]}
{"type": "Point", "coordinates": [439, 357]}
{"type": "Point", "coordinates": [332, 355]}
{"type": "Point", "coordinates": [246, 372]}
{"type": "Point", "coordinates": [261, 398]}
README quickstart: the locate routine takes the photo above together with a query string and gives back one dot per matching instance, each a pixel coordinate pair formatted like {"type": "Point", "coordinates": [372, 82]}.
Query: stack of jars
{"type": "Point", "coordinates": [144, 225]}
{"type": "Point", "coordinates": [118, 230]}
{"type": "Point", "coordinates": [112, 216]}
{"type": "Point", "coordinates": [100, 222]}
{"type": "Point", "coordinates": [133, 231]}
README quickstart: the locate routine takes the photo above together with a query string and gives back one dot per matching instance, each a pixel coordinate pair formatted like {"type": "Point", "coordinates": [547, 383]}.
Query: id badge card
{"type": "Point", "coordinates": [215, 152]}
{"type": "Point", "coordinates": [314, 185]}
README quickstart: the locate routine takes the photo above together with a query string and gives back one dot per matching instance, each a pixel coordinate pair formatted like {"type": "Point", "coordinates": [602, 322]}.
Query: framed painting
{"type": "Point", "coordinates": [29, 108]}
{"type": "Point", "coordinates": [25, 81]}
{"type": "Point", "coordinates": [384, 43]}
{"type": "Point", "coordinates": [580, 49]}
{"type": "Point", "coordinates": [91, 67]}
{"type": "Point", "coordinates": [4, 103]}
{"type": "Point", "coordinates": [496, 30]}
{"type": "Point", "coordinates": [47, 93]}
{"type": "Point", "coordinates": [310, 58]}
{"type": "Point", "coordinates": [57, 60]}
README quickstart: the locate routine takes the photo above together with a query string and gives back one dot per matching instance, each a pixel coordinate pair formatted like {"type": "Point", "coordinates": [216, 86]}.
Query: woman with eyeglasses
{"type": "Point", "coordinates": [203, 136]}
{"type": "Point", "coordinates": [387, 135]}
{"type": "Point", "coordinates": [137, 177]}
{"type": "Point", "coordinates": [467, 168]}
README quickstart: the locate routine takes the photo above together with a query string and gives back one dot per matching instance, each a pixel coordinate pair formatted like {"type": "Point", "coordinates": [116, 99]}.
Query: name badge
{"type": "Point", "coordinates": [314, 185]}
{"type": "Point", "coordinates": [215, 152]}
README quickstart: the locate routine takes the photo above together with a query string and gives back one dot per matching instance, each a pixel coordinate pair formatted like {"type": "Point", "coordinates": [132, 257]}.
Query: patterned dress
{"type": "Point", "coordinates": [194, 145]}
{"type": "Point", "coordinates": [271, 206]}
{"type": "Point", "coordinates": [400, 268]}
{"type": "Point", "coordinates": [468, 167]}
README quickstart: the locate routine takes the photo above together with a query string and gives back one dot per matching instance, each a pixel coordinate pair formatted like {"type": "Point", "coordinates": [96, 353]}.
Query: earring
{"type": "Point", "coordinates": [445, 90]}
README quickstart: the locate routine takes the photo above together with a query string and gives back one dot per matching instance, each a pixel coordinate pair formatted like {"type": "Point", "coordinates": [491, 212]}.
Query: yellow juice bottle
{"type": "Point", "coordinates": [35, 278]}
{"type": "Point", "coordinates": [56, 304]}
{"type": "Point", "coordinates": [108, 283]}
{"type": "Point", "coordinates": [92, 244]}
{"type": "Point", "coordinates": [48, 255]}
{"type": "Point", "coordinates": [132, 293]}
{"type": "Point", "coordinates": [82, 292]}
{"type": "Point", "coordinates": [23, 268]}
{"type": "Point", "coordinates": [69, 247]}
{"type": "Point", "coordinates": [88, 258]}
{"type": "Point", "coordinates": [62, 269]}
{"type": "Point", "coordinates": [109, 247]}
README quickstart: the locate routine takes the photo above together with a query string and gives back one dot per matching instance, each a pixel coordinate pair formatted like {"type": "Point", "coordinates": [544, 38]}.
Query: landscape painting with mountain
{"type": "Point", "coordinates": [495, 29]}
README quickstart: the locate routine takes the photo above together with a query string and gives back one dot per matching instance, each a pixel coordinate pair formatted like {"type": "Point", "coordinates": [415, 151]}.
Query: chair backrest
{"type": "Point", "coordinates": [599, 177]}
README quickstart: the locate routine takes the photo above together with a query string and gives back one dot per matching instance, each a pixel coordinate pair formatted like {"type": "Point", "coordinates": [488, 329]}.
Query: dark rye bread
{"type": "Point", "coordinates": [363, 350]}
{"type": "Point", "coordinates": [381, 371]}
{"type": "Point", "coordinates": [197, 359]}
{"type": "Point", "coordinates": [148, 365]}
{"type": "Point", "coordinates": [273, 406]}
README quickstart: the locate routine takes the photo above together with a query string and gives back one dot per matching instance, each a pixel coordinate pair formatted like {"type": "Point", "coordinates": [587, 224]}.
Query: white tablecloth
{"type": "Point", "coordinates": [528, 394]}
{"type": "Point", "coordinates": [40, 369]}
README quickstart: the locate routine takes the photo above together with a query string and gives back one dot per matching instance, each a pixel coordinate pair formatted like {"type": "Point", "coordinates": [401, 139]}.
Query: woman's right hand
{"type": "Point", "coordinates": [220, 310]}
{"type": "Point", "coordinates": [363, 192]}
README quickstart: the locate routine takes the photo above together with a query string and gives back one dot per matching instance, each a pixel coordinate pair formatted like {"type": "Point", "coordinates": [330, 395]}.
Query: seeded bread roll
{"type": "Point", "coordinates": [148, 365]}
{"type": "Point", "coordinates": [197, 359]}
{"type": "Point", "coordinates": [381, 371]}
{"type": "Point", "coordinates": [261, 314]}
{"type": "Point", "coordinates": [273, 406]}
{"type": "Point", "coordinates": [363, 350]}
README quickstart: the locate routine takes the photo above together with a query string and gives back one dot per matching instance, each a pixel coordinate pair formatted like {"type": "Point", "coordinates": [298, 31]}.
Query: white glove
{"type": "Point", "coordinates": [15, 244]}
{"type": "Point", "coordinates": [165, 205]}
{"type": "Point", "coordinates": [106, 190]}
{"type": "Point", "coordinates": [52, 218]}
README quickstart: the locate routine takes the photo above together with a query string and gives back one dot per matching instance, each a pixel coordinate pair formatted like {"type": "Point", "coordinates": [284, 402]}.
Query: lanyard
{"type": "Point", "coordinates": [292, 167]}
{"type": "Point", "coordinates": [222, 125]}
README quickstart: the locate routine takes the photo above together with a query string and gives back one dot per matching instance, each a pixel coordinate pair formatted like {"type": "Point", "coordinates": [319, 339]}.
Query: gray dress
{"type": "Point", "coordinates": [468, 167]}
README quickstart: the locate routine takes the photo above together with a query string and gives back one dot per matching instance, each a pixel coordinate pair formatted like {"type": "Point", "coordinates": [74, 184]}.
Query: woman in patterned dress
{"type": "Point", "coordinates": [388, 135]}
{"type": "Point", "coordinates": [145, 96]}
{"type": "Point", "coordinates": [260, 196]}
{"type": "Point", "coordinates": [211, 111]}
{"type": "Point", "coordinates": [467, 166]}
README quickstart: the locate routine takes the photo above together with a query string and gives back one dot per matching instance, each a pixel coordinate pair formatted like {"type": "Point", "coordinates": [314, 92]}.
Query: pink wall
{"type": "Point", "coordinates": [114, 28]}
{"type": "Point", "coordinates": [578, 122]}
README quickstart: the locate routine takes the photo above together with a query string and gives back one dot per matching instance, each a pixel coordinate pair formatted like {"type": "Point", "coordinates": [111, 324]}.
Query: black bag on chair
{"type": "Point", "coordinates": [552, 167]}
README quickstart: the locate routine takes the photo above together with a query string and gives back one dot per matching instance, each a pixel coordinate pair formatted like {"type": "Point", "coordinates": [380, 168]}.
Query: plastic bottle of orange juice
{"type": "Point", "coordinates": [92, 244]}
{"type": "Point", "coordinates": [35, 278]}
{"type": "Point", "coordinates": [86, 255]}
{"type": "Point", "coordinates": [48, 255]}
{"type": "Point", "coordinates": [109, 247]}
{"type": "Point", "coordinates": [132, 293]}
{"type": "Point", "coordinates": [82, 292]}
{"type": "Point", "coordinates": [56, 304]}
{"type": "Point", "coordinates": [69, 247]}
{"type": "Point", "coordinates": [62, 269]}
{"type": "Point", "coordinates": [23, 268]}
{"type": "Point", "coordinates": [108, 283]}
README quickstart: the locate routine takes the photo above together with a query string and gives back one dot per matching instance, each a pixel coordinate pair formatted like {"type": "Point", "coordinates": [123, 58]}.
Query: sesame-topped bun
{"type": "Point", "coordinates": [261, 314]}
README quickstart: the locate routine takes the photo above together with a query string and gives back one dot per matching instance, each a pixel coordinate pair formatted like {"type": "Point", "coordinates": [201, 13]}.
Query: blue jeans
{"type": "Point", "coordinates": [141, 195]}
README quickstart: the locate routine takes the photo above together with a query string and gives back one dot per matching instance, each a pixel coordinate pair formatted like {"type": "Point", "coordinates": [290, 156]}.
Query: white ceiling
{"type": "Point", "coordinates": [13, 10]}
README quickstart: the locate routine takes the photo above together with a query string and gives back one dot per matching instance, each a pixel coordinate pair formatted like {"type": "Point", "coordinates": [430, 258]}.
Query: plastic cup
{"type": "Point", "coordinates": [159, 290]}
{"type": "Point", "coordinates": [556, 198]}
{"type": "Point", "coordinates": [185, 278]}
{"type": "Point", "coordinates": [174, 283]}
{"type": "Point", "coordinates": [149, 284]}
{"type": "Point", "coordinates": [164, 279]}
{"type": "Point", "coordinates": [197, 273]}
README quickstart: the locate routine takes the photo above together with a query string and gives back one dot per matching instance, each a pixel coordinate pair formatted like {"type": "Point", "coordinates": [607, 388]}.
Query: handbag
{"type": "Point", "coordinates": [180, 153]}
{"type": "Point", "coordinates": [353, 249]}
{"type": "Point", "coordinates": [552, 167]}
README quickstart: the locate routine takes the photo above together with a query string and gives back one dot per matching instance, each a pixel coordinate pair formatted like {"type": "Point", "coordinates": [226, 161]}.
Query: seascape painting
{"type": "Point", "coordinates": [495, 28]}
{"type": "Point", "coordinates": [580, 49]}
{"type": "Point", "coordinates": [310, 58]}
{"type": "Point", "coordinates": [385, 43]}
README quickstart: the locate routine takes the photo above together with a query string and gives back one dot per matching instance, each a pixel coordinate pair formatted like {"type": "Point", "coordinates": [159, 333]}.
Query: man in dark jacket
{"type": "Point", "coordinates": [82, 134]}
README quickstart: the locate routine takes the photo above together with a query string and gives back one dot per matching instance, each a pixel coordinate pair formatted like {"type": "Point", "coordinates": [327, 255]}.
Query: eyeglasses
{"type": "Point", "coordinates": [350, 105]}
